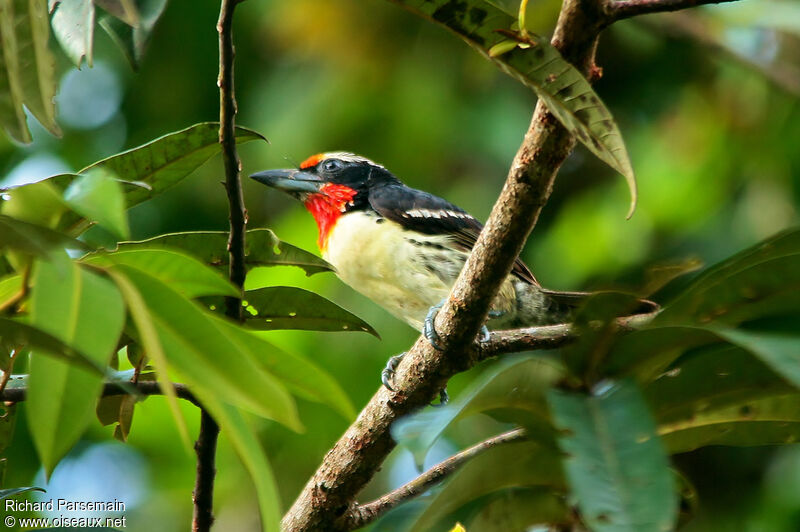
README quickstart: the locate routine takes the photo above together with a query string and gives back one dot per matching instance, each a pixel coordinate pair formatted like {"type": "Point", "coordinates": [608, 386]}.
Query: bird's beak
{"type": "Point", "coordinates": [294, 182]}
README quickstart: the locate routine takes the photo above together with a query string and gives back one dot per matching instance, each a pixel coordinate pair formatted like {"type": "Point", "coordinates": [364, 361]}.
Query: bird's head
{"type": "Point", "coordinates": [329, 185]}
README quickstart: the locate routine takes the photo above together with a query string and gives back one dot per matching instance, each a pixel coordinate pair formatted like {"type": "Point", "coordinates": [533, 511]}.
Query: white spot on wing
{"type": "Point", "coordinates": [430, 213]}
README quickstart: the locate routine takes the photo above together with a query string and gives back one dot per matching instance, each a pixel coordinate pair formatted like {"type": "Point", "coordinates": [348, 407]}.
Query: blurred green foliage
{"type": "Point", "coordinates": [713, 139]}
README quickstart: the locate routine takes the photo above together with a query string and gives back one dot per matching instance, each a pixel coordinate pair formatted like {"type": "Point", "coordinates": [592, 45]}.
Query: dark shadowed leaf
{"type": "Point", "coordinates": [568, 95]}
{"type": "Point", "coordinates": [73, 26]}
{"type": "Point", "coordinates": [183, 273]}
{"type": "Point", "coordinates": [133, 40]}
{"type": "Point", "coordinates": [614, 460]}
{"type": "Point", "coordinates": [521, 509]}
{"type": "Point", "coordinates": [81, 309]}
{"type": "Point", "coordinates": [287, 307]}
{"type": "Point", "coordinates": [8, 420]}
{"type": "Point", "coordinates": [517, 384]}
{"type": "Point", "coordinates": [779, 351]}
{"type": "Point", "coordinates": [165, 161]}
{"type": "Point", "coordinates": [262, 248]}
{"type": "Point", "coordinates": [125, 10]}
{"type": "Point", "coordinates": [768, 421]}
{"type": "Point", "coordinates": [513, 465]}
{"type": "Point", "coordinates": [709, 378]}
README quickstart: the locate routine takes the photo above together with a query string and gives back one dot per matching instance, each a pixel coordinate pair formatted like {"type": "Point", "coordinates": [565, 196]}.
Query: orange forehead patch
{"type": "Point", "coordinates": [312, 161]}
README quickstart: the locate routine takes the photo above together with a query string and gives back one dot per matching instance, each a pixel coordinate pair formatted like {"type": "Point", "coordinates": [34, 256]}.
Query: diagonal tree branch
{"type": "Point", "coordinates": [206, 444]}
{"type": "Point", "coordinates": [145, 388]}
{"type": "Point", "coordinates": [328, 498]}
{"type": "Point", "coordinates": [622, 9]}
{"type": "Point", "coordinates": [363, 514]}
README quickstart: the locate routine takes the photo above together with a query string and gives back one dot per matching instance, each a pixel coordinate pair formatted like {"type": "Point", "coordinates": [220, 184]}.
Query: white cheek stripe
{"type": "Point", "coordinates": [428, 213]}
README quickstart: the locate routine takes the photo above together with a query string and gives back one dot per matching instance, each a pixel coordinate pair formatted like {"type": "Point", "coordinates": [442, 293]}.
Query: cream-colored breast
{"type": "Point", "coordinates": [389, 265]}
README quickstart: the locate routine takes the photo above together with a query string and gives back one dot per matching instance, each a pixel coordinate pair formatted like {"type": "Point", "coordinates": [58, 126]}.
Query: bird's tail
{"type": "Point", "coordinates": [563, 305]}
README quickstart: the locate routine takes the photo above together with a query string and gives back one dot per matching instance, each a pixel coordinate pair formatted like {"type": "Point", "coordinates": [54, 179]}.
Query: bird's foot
{"type": "Point", "coordinates": [387, 375]}
{"type": "Point", "coordinates": [428, 328]}
{"type": "Point", "coordinates": [443, 398]}
{"type": "Point", "coordinates": [484, 335]}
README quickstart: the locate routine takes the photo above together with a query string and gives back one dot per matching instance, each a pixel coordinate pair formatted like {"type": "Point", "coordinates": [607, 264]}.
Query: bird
{"type": "Point", "coordinates": [403, 248]}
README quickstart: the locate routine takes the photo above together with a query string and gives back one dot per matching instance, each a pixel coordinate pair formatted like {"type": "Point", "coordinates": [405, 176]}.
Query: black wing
{"type": "Point", "coordinates": [425, 213]}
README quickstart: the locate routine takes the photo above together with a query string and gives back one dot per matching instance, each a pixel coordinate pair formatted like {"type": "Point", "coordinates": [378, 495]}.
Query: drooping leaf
{"type": "Point", "coordinates": [163, 162]}
{"type": "Point", "coordinates": [512, 465]}
{"type": "Point", "coordinates": [12, 116]}
{"type": "Point", "coordinates": [614, 460]}
{"type": "Point", "coordinates": [234, 427]}
{"type": "Point", "coordinates": [10, 288]}
{"type": "Point", "coordinates": [517, 384]}
{"type": "Point", "coordinates": [300, 376]}
{"type": "Point", "coordinates": [287, 307]}
{"type": "Point", "coordinates": [97, 196]}
{"type": "Point", "coordinates": [769, 421]}
{"type": "Point", "coordinates": [197, 347]}
{"type": "Point", "coordinates": [133, 40]}
{"type": "Point", "coordinates": [82, 309]}
{"type": "Point", "coordinates": [36, 63]}
{"type": "Point", "coordinates": [124, 10]}
{"type": "Point", "coordinates": [33, 239]}
{"type": "Point", "coordinates": [539, 66]}
{"type": "Point", "coordinates": [779, 351]}
{"type": "Point", "coordinates": [262, 248]}
{"type": "Point", "coordinates": [73, 26]}
{"type": "Point", "coordinates": [183, 273]}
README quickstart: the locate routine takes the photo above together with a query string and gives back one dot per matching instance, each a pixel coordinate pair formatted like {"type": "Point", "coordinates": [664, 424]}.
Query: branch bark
{"type": "Point", "coordinates": [364, 514]}
{"type": "Point", "coordinates": [622, 9]}
{"type": "Point", "coordinates": [206, 444]}
{"type": "Point", "coordinates": [146, 388]}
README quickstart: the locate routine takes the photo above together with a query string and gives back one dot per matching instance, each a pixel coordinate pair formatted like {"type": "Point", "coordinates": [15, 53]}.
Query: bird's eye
{"type": "Point", "coordinates": [332, 165]}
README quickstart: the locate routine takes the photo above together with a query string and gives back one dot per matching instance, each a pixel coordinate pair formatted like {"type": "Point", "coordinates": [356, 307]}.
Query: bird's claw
{"type": "Point", "coordinates": [484, 335]}
{"type": "Point", "coordinates": [428, 327]}
{"type": "Point", "coordinates": [443, 398]}
{"type": "Point", "coordinates": [387, 375]}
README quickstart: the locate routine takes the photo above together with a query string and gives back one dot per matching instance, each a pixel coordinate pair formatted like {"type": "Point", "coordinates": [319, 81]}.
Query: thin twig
{"type": "Point", "coordinates": [622, 9]}
{"type": "Point", "coordinates": [145, 388]}
{"type": "Point", "coordinates": [363, 514]}
{"type": "Point", "coordinates": [206, 445]}
{"type": "Point", "coordinates": [12, 357]}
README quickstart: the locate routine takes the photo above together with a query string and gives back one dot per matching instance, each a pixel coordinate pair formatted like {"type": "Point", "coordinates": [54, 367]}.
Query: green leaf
{"type": "Point", "coordinates": [286, 307]}
{"type": "Point", "coordinates": [197, 346]}
{"type": "Point", "coordinates": [33, 239]}
{"type": "Point", "coordinates": [12, 116]}
{"type": "Point", "coordinates": [262, 248]}
{"type": "Point", "coordinates": [518, 384]}
{"type": "Point", "coordinates": [97, 196]}
{"type": "Point", "coordinates": [234, 427]}
{"type": "Point", "coordinates": [8, 420]}
{"type": "Point", "coordinates": [5, 494]}
{"type": "Point", "coordinates": [165, 161]}
{"type": "Point", "coordinates": [10, 287]}
{"type": "Point", "coordinates": [513, 465]}
{"type": "Point", "coordinates": [539, 66]}
{"type": "Point", "coordinates": [82, 309]}
{"type": "Point", "coordinates": [183, 273]}
{"type": "Point", "coordinates": [615, 462]}
{"type": "Point", "coordinates": [768, 421]}
{"type": "Point", "coordinates": [36, 63]}
{"type": "Point", "coordinates": [133, 40]}
{"type": "Point", "coordinates": [299, 375]}
{"type": "Point", "coordinates": [73, 26]}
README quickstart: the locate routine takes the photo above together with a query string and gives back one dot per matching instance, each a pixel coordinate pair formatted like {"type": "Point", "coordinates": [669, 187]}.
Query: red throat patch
{"type": "Point", "coordinates": [326, 207]}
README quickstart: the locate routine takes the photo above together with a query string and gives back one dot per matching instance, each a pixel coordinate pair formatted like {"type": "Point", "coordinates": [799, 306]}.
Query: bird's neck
{"type": "Point", "coordinates": [327, 207]}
